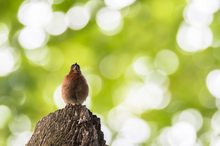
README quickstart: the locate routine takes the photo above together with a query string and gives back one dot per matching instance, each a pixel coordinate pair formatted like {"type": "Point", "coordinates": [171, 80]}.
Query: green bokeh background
{"type": "Point", "coordinates": [149, 26]}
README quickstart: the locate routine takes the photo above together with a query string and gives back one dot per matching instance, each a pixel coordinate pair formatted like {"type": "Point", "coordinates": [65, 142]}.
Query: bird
{"type": "Point", "coordinates": [74, 86]}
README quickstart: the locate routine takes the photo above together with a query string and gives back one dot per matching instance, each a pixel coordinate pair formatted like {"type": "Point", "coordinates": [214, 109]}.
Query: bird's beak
{"type": "Point", "coordinates": [76, 68]}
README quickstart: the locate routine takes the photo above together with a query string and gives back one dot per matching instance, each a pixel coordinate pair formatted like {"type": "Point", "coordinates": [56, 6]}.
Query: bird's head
{"type": "Point", "coordinates": [75, 68]}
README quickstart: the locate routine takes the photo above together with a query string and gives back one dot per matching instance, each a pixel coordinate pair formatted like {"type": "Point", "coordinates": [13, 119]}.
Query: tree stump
{"type": "Point", "coordinates": [73, 125]}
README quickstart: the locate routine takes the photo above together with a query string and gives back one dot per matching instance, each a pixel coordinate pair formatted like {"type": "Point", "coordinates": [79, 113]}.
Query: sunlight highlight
{"type": "Point", "coordinates": [162, 139]}
{"type": "Point", "coordinates": [109, 21]}
{"type": "Point", "coordinates": [37, 56]}
{"type": "Point", "coordinates": [195, 34]}
{"type": "Point", "coordinates": [143, 66]}
{"type": "Point", "coordinates": [213, 83]}
{"type": "Point", "coordinates": [118, 4]}
{"type": "Point", "coordinates": [20, 139]}
{"type": "Point", "coordinates": [56, 1]}
{"type": "Point", "coordinates": [206, 6]}
{"type": "Point", "coordinates": [35, 13]}
{"type": "Point", "coordinates": [136, 130]}
{"type": "Point", "coordinates": [32, 37]}
{"type": "Point", "coordinates": [4, 32]}
{"type": "Point", "coordinates": [167, 61]}
{"type": "Point", "coordinates": [182, 134]}
{"type": "Point", "coordinates": [147, 96]}
{"type": "Point", "coordinates": [123, 142]}
{"type": "Point", "coordinates": [57, 97]}
{"type": "Point", "coordinates": [57, 24]}
{"type": "Point", "coordinates": [95, 84]}
{"type": "Point", "coordinates": [107, 133]}
{"type": "Point", "coordinates": [117, 117]}
{"type": "Point", "coordinates": [20, 124]}
{"type": "Point", "coordinates": [193, 39]}
{"type": "Point", "coordinates": [78, 17]}
{"type": "Point", "coordinates": [179, 134]}
{"type": "Point", "coordinates": [215, 142]}
{"type": "Point", "coordinates": [191, 116]}
{"type": "Point", "coordinates": [196, 17]}
{"type": "Point", "coordinates": [215, 122]}
{"type": "Point", "coordinates": [5, 113]}
{"type": "Point", "coordinates": [10, 62]}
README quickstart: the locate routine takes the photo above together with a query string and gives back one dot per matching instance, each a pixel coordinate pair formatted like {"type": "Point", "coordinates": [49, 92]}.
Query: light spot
{"type": "Point", "coordinates": [206, 6]}
{"type": "Point", "coordinates": [93, 5]}
{"type": "Point", "coordinates": [135, 129]}
{"type": "Point", "coordinates": [78, 17]}
{"type": "Point", "coordinates": [5, 113]}
{"type": "Point", "coordinates": [162, 139]}
{"type": "Point", "coordinates": [56, 1]}
{"type": "Point", "coordinates": [218, 103]}
{"type": "Point", "coordinates": [182, 134]}
{"type": "Point", "coordinates": [192, 116]}
{"type": "Point", "coordinates": [118, 4]}
{"type": "Point", "coordinates": [197, 17]}
{"type": "Point", "coordinates": [20, 139]}
{"type": "Point", "coordinates": [167, 61]}
{"type": "Point", "coordinates": [95, 84]}
{"type": "Point", "coordinates": [57, 97]}
{"type": "Point", "coordinates": [158, 77]}
{"type": "Point", "coordinates": [119, 94]}
{"type": "Point", "coordinates": [88, 102]}
{"type": "Point", "coordinates": [107, 133]}
{"type": "Point", "coordinates": [198, 143]}
{"type": "Point", "coordinates": [9, 60]}
{"type": "Point", "coordinates": [123, 142]}
{"type": "Point", "coordinates": [142, 66]}
{"type": "Point", "coordinates": [32, 37]}
{"type": "Point", "coordinates": [151, 95]}
{"type": "Point", "coordinates": [35, 13]}
{"type": "Point", "coordinates": [37, 56]}
{"type": "Point", "coordinates": [109, 21]}
{"type": "Point", "coordinates": [4, 31]}
{"type": "Point", "coordinates": [146, 97]}
{"type": "Point", "coordinates": [215, 142]}
{"type": "Point", "coordinates": [117, 117]}
{"type": "Point", "coordinates": [193, 39]}
{"type": "Point", "coordinates": [20, 124]}
{"type": "Point", "coordinates": [215, 122]}
{"type": "Point", "coordinates": [213, 82]}
{"type": "Point", "coordinates": [57, 24]}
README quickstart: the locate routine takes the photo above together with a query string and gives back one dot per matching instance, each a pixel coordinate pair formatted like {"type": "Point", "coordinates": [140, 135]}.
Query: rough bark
{"type": "Point", "coordinates": [73, 125]}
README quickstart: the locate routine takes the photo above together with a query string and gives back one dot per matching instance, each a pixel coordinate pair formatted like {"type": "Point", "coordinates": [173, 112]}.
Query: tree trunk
{"type": "Point", "coordinates": [73, 125]}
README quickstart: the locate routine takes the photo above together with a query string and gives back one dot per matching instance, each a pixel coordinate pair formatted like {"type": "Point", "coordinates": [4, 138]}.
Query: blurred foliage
{"type": "Point", "coordinates": [149, 26]}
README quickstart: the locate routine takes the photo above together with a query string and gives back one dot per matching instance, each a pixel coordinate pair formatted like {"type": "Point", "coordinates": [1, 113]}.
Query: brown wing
{"type": "Point", "coordinates": [81, 89]}
{"type": "Point", "coordinates": [68, 90]}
